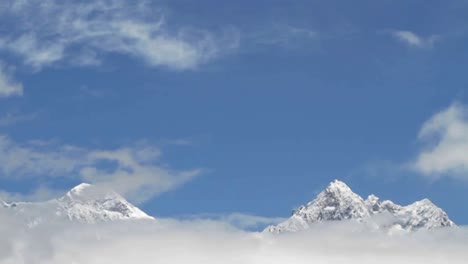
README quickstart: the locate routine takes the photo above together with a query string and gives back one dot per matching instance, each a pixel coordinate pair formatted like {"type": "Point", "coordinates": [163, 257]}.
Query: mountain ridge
{"type": "Point", "coordinates": [338, 202]}
{"type": "Point", "coordinates": [85, 203]}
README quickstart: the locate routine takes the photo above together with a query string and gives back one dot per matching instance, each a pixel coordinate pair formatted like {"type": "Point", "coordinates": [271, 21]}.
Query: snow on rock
{"type": "Point", "coordinates": [84, 203]}
{"type": "Point", "coordinates": [338, 202]}
{"type": "Point", "coordinates": [88, 203]}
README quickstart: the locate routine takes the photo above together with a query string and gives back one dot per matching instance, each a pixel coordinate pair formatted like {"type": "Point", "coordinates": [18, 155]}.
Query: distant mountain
{"type": "Point", "coordinates": [84, 203]}
{"type": "Point", "coordinates": [338, 202]}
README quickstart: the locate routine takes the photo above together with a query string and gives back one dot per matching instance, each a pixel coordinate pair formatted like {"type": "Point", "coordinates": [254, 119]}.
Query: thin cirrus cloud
{"type": "Point", "coordinates": [13, 118]}
{"type": "Point", "coordinates": [51, 32]}
{"type": "Point", "coordinates": [414, 40]}
{"type": "Point", "coordinates": [445, 137]}
{"type": "Point", "coordinates": [284, 35]}
{"type": "Point", "coordinates": [134, 171]}
{"type": "Point", "coordinates": [9, 86]}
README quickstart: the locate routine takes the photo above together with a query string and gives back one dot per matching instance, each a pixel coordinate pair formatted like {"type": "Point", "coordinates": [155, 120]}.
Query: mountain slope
{"type": "Point", "coordinates": [84, 203]}
{"type": "Point", "coordinates": [338, 202]}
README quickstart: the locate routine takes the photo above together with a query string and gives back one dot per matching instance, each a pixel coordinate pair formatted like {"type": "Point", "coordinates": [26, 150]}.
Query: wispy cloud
{"type": "Point", "coordinates": [41, 193]}
{"type": "Point", "coordinates": [50, 32]}
{"type": "Point", "coordinates": [178, 142]}
{"type": "Point", "coordinates": [8, 86]}
{"type": "Point", "coordinates": [86, 91]}
{"type": "Point", "coordinates": [414, 40]}
{"type": "Point", "coordinates": [134, 171]}
{"type": "Point", "coordinates": [13, 118]}
{"type": "Point", "coordinates": [284, 35]}
{"type": "Point", "coordinates": [445, 139]}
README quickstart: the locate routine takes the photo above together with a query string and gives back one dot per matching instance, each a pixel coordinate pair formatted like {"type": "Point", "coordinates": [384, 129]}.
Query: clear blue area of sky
{"type": "Point", "coordinates": [272, 122]}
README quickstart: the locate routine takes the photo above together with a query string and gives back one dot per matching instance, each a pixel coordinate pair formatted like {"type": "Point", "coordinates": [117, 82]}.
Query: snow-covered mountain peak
{"type": "Point", "coordinates": [84, 203]}
{"type": "Point", "coordinates": [339, 202]}
{"type": "Point", "coordinates": [424, 202]}
{"type": "Point", "coordinates": [338, 186]}
{"type": "Point", "coordinates": [336, 202]}
{"type": "Point", "coordinates": [338, 189]}
{"type": "Point", "coordinates": [91, 203]}
{"type": "Point", "coordinates": [337, 192]}
{"type": "Point", "coordinates": [425, 205]}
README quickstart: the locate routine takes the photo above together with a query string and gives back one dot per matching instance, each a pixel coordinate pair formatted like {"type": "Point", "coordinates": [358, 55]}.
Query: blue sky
{"type": "Point", "coordinates": [251, 106]}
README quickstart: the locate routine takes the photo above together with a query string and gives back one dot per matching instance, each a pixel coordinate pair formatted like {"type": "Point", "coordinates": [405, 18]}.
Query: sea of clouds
{"type": "Point", "coordinates": [208, 241]}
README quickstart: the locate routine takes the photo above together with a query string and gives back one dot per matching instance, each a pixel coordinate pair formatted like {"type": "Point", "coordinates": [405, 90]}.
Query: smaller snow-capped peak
{"type": "Point", "coordinates": [84, 203]}
{"type": "Point", "coordinates": [90, 203]}
{"type": "Point", "coordinates": [339, 202]}
{"type": "Point", "coordinates": [424, 213]}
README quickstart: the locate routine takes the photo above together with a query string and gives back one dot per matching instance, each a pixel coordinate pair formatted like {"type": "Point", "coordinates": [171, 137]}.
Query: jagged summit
{"type": "Point", "coordinates": [338, 186]}
{"type": "Point", "coordinates": [339, 202]}
{"type": "Point", "coordinates": [336, 202]}
{"type": "Point", "coordinates": [339, 190]}
{"type": "Point", "coordinates": [84, 203]}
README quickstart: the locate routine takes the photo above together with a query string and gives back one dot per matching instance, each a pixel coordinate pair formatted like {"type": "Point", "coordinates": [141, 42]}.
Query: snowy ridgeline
{"type": "Point", "coordinates": [338, 202]}
{"type": "Point", "coordinates": [89, 204]}
{"type": "Point", "coordinates": [85, 203]}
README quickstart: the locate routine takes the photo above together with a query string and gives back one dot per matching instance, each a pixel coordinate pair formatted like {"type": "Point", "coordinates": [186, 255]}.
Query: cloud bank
{"type": "Point", "coordinates": [202, 241]}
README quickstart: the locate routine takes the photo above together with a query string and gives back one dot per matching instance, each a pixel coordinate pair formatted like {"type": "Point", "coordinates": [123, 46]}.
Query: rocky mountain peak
{"type": "Point", "coordinates": [338, 202]}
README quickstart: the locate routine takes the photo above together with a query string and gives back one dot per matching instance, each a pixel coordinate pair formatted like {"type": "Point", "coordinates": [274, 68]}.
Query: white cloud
{"type": "Point", "coordinates": [136, 171]}
{"type": "Point", "coordinates": [8, 86]}
{"type": "Point", "coordinates": [445, 136]}
{"type": "Point", "coordinates": [52, 31]}
{"type": "Point", "coordinates": [174, 242]}
{"type": "Point", "coordinates": [41, 193]}
{"type": "Point", "coordinates": [414, 40]}
{"type": "Point", "coordinates": [135, 175]}
{"type": "Point", "coordinates": [34, 52]}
